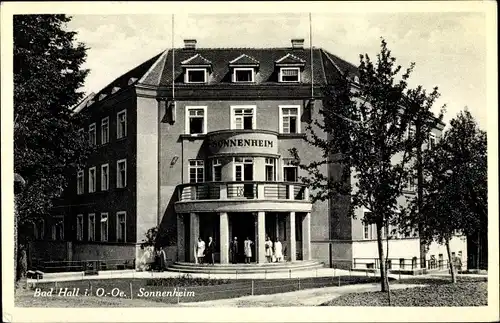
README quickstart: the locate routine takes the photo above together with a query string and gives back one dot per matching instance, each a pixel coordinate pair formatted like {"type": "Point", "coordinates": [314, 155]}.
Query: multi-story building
{"type": "Point", "coordinates": [196, 141]}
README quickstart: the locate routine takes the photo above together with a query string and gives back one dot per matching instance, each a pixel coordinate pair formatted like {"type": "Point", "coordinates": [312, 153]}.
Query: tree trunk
{"type": "Point", "coordinates": [383, 267]}
{"type": "Point", "coordinates": [16, 274]}
{"type": "Point", "coordinates": [386, 262]}
{"type": "Point", "coordinates": [478, 258]}
{"type": "Point", "coordinates": [450, 261]}
{"type": "Point", "coordinates": [420, 191]}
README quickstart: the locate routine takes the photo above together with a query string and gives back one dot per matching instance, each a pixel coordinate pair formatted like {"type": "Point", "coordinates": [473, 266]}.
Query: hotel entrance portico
{"type": "Point", "coordinates": [291, 228]}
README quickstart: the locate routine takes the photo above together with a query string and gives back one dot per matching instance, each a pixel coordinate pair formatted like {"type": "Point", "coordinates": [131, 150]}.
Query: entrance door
{"type": "Point", "coordinates": [242, 227]}
{"type": "Point", "coordinates": [243, 171]}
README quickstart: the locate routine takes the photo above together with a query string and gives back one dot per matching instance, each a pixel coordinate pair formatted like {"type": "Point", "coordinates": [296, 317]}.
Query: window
{"type": "Point", "coordinates": [196, 75]}
{"type": "Point", "coordinates": [104, 226]}
{"type": "Point", "coordinates": [104, 177]}
{"type": "Point", "coordinates": [216, 170]}
{"type": "Point", "coordinates": [79, 183]}
{"type": "Point", "coordinates": [91, 227]}
{"type": "Point", "coordinates": [196, 171]}
{"type": "Point", "coordinates": [243, 169]}
{"type": "Point", "coordinates": [105, 131]}
{"type": "Point", "coordinates": [39, 229]}
{"type": "Point", "coordinates": [92, 184]}
{"type": "Point", "coordinates": [196, 121]}
{"type": "Point", "coordinates": [270, 169]}
{"type": "Point", "coordinates": [366, 231]}
{"type": "Point", "coordinates": [120, 226]}
{"type": "Point", "coordinates": [92, 135]}
{"type": "Point", "coordinates": [289, 119]}
{"type": "Point", "coordinates": [411, 184]}
{"type": "Point", "coordinates": [411, 131]}
{"type": "Point", "coordinates": [58, 228]}
{"type": "Point", "coordinates": [121, 173]}
{"type": "Point", "coordinates": [243, 117]}
{"type": "Point", "coordinates": [401, 263]}
{"type": "Point", "coordinates": [121, 124]}
{"type": "Point", "coordinates": [289, 74]}
{"type": "Point", "coordinates": [289, 170]}
{"type": "Point", "coordinates": [79, 227]}
{"type": "Point", "coordinates": [432, 141]}
{"type": "Point", "coordinates": [243, 75]}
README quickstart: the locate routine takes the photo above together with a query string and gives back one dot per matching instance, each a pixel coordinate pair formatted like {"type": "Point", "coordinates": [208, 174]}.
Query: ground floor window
{"type": "Point", "coordinates": [58, 228]}
{"type": "Point", "coordinates": [91, 227]}
{"type": "Point", "coordinates": [79, 227]}
{"type": "Point", "coordinates": [104, 226]}
{"type": "Point", "coordinates": [39, 227]}
{"type": "Point", "coordinates": [121, 226]}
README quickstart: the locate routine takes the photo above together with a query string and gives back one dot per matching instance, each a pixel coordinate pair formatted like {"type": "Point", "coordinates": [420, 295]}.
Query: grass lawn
{"type": "Point", "coordinates": [202, 290]}
{"type": "Point", "coordinates": [440, 292]}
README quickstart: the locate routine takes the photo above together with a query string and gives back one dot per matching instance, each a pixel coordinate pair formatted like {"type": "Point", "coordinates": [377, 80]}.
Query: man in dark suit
{"type": "Point", "coordinates": [209, 251]}
{"type": "Point", "coordinates": [233, 248]}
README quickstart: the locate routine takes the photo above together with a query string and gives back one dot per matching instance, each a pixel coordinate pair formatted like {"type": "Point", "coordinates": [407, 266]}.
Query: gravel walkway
{"type": "Point", "coordinates": [308, 297]}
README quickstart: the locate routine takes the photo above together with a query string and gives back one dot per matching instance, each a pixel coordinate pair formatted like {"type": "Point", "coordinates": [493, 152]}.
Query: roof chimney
{"type": "Point", "coordinates": [189, 43]}
{"type": "Point", "coordinates": [298, 43]}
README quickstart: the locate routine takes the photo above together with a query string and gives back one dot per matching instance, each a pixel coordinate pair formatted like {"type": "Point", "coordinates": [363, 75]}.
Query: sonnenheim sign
{"type": "Point", "coordinates": [230, 142]}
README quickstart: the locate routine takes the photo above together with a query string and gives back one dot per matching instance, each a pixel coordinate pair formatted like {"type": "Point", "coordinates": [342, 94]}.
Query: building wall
{"type": "Point", "coordinates": [114, 199]}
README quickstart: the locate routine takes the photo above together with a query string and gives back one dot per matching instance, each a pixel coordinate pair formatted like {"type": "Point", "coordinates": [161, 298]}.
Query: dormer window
{"type": "Point", "coordinates": [196, 75]}
{"type": "Point", "coordinates": [243, 75]}
{"type": "Point", "coordinates": [196, 69]}
{"type": "Point", "coordinates": [289, 67]}
{"type": "Point", "coordinates": [244, 68]}
{"type": "Point", "coordinates": [289, 74]}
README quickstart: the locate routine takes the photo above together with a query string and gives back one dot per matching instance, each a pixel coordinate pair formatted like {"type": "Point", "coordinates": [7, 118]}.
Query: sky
{"type": "Point", "coordinates": [449, 48]}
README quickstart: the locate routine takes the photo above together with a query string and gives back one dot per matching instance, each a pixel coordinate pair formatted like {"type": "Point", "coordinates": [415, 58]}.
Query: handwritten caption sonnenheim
{"type": "Point", "coordinates": [114, 292]}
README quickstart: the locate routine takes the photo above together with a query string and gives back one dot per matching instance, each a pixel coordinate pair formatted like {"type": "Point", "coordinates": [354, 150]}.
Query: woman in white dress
{"type": "Point", "coordinates": [269, 249]}
{"type": "Point", "coordinates": [278, 250]}
{"type": "Point", "coordinates": [247, 249]}
{"type": "Point", "coordinates": [200, 250]}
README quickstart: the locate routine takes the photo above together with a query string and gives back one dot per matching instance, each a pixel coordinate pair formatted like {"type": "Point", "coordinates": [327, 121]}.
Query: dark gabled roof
{"type": "Point", "coordinates": [290, 59]}
{"type": "Point", "coordinates": [244, 60]}
{"type": "Point", "coordinates": [266, 57]}
{"type": "Point", "coordinates": [157, 71]}
{"type": "Point", "coordinates": [123, 81]}
{"type": "Point", "coordinates": [197, 60]}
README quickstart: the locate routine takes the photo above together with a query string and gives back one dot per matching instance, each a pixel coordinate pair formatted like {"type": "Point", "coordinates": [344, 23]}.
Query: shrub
{"type": "Point", "coordinates": [185, 280]}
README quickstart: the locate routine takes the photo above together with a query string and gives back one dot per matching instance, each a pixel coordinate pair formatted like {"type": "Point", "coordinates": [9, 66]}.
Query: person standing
{"type": "Point", "coordinates": [269, 249]}
{"type": "Point", "coordinates": [247, 245]}
{"type": "Point", "coordinates": [210, 250]}
{"type": "Point", "coordinates": [233, 248]}
{"type": "Point", "coordinates": [278, 250]}
{"type": "Point", "coordinates": [200, 250]}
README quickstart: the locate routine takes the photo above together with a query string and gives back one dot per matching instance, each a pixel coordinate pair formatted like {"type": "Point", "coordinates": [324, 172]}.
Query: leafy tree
{"type": "Point", "coordinates": [47, 145]}
{"type": "Point", "coordinates": [454, 185]}
{"type": "Point", "coordinates": [362, 131]}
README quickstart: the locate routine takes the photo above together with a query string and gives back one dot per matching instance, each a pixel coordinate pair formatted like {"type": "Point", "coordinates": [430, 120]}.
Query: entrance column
{"type": "Point", "coordinates": [194, 221]}
{"type": "Point", "coordinates": [290, 235]}
{"type": "Point", "coordinates": [224, 238]}
{"type": "Point", "coordinates": [181, 254]}
{"type": "Point", "coordinates": [260, 252]}
{"type": "Point", "coordinates": [306, 237]}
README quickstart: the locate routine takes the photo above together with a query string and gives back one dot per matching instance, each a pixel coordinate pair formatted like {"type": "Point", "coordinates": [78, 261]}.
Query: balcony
{"type": "Point", "coordinates": [243, 196]}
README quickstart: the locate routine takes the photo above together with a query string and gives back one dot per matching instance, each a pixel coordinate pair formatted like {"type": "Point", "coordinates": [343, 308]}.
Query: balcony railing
{"type": "Point", "coordinates": [243, 190]}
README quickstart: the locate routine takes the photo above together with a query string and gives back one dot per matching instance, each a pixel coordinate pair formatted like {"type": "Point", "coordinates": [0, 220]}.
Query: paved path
{"type": "Point", "coordinates": [320, 272]}
{"type": "Point", "coordinates": [307, 297]}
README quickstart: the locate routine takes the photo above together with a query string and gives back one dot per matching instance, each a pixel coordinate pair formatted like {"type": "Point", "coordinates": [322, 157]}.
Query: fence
{"type": "Point", "coordinates": [405, 264]}
{"type": "Point", "coordinates": [88, 266]}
